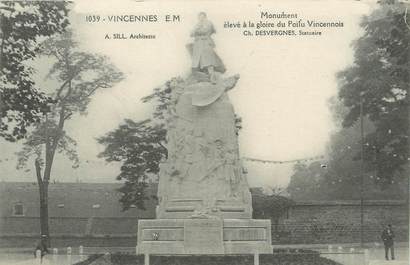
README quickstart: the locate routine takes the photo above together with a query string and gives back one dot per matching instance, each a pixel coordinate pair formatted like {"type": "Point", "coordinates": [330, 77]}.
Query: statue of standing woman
{"type": "Point", "coordinates": [204, 58]}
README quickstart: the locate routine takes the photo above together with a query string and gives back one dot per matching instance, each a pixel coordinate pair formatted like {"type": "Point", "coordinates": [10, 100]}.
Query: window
{"type": "Point", "coordinates": [18, 209]}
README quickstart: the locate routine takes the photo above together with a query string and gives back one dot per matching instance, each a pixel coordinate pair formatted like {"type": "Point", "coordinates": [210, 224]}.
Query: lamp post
{"type": "Point", "coordinates": [361, 171]}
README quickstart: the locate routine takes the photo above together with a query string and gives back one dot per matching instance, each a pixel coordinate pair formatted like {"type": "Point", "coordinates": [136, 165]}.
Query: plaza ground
{"type": "Point", "coordinates": [347, 255]}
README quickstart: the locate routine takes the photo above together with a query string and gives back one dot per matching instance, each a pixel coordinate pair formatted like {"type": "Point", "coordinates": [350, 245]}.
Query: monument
{"type": "Point", "coordinates": [205, 206]}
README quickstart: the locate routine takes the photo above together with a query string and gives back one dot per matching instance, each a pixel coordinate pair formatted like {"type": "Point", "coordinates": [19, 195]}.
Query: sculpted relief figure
{"type": "Point", "coordinates": [203, 172]}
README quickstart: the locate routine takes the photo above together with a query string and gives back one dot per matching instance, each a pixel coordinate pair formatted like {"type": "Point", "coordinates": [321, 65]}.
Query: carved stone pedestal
{"type": "Point", "coordinates": [212, 236]}
{"type": "Point", "coordinates": [188, 207]}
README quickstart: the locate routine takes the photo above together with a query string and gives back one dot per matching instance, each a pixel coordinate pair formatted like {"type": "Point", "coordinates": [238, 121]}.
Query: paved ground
{"type": "Point", "coordinates": [47, 260]}
{"type": "Point", "coordinates": [401, 253]}
{"type": "Point", "coordinates": [389, 262]}
{"type": "Point", "coordinates": [376, 256]}
{"type": "Point", "coordinates": [383, 262]}
{"type": "Point", "coordinates": [347, 255]}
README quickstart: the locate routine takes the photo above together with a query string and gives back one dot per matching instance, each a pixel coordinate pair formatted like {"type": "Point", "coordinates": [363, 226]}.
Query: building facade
{"type": "Point", "coordinates": [79, 214]}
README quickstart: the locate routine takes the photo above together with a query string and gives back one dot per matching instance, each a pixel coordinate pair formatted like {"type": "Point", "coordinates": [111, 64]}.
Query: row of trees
{"type": "Point", "coordinates": [379, 80]}
{"type": "Point", "coordinates": [32, 30]}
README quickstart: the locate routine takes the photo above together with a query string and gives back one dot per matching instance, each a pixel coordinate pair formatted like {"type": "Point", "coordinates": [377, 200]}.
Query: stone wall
{"type": "Point", "coordinates": [339, 222]}
{"type": "Point", "coordinates": [70, 231]}
{"type": "Point", "coordinates": [304, 223]}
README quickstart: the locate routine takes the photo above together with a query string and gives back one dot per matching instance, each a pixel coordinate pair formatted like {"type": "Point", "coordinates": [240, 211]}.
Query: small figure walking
{"type": "Point", "coordinates": [388, 240]}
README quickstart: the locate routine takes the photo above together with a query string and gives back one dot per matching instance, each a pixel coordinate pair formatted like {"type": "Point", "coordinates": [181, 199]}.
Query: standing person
{"type": "Point", "coordinates": [388, 240]}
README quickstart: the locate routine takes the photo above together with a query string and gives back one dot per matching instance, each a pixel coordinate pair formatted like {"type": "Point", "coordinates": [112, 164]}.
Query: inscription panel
{"type": "Point", "coordinates": [163, 234]}
{"type": "Point", "coordinates": [244, 234]}
{"type": "Point", "coordinates": [203, 236]}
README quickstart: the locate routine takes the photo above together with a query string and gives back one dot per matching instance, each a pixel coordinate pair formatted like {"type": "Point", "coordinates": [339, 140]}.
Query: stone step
{"type": "Point", "coordinates": [388, 262]}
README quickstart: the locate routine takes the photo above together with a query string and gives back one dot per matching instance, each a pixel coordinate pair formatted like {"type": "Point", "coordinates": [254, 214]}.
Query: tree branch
{"type": "Point", "coordinates": [60, 90]}
{"type": "Point", "coordinates": [66, 117]}
{"type": "Point", "coordinates": [165, 149]}
{"type": "Point", "coordinates": [58, 55]}
{"type": "Point", "coordinates": [51, 147]}
{"type": "Point", "coordinates": [93, 90]}
{"type": "Point", "coordinates": [38, 171]}
{"type": "Point", "coordinates": [3, 39]}
{"type": "Point", "coordinates": [405, 19]}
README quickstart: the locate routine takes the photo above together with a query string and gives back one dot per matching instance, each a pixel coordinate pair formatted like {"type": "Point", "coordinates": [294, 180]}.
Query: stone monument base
{"type": "Point", "coordinates": [204, 237]}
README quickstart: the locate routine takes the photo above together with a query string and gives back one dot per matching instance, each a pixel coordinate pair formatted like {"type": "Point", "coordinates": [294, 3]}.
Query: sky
{"type": "Point", "coordinates": [282, 95]}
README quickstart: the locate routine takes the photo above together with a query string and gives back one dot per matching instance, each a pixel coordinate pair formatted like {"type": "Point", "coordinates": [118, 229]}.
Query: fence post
{"type": "Point", "coordinates": [69, 251]}
{"type": "Point", "coordinates": [146, 259]}
{"type": "Point", "coordinates": [366, 256]}
{"type": "Point", "coordinates": [256, 258]}
{"type": "Point", "coordinates": [81, 252]}
{"type": "Point", "coordinates": [38, 256]}
{"type": "Point", "coordinates": [55, 256]}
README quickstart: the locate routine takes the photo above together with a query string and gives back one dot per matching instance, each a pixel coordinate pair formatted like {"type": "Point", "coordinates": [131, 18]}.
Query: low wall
{"type": "Point", "coordinates": [340, 222]}
{"type": "Point", "coordinates": [70, 231]}
{"type": "Point", "coordinates": [67, 241]}
{"type": "Point", "coordinates": [304, 223]}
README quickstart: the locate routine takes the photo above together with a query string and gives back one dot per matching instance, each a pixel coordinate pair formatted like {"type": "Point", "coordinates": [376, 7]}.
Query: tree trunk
{"type": "Point", "coordinates": [51, 146]}
{"type": "Point", "coordinates": [43, 190]}
{"type": "Point", "coordinates": [45, 234]}
{"type": "Point", "coordinates": [1, 104]}
{"type": "Point", "coordinates": [2, 38]}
